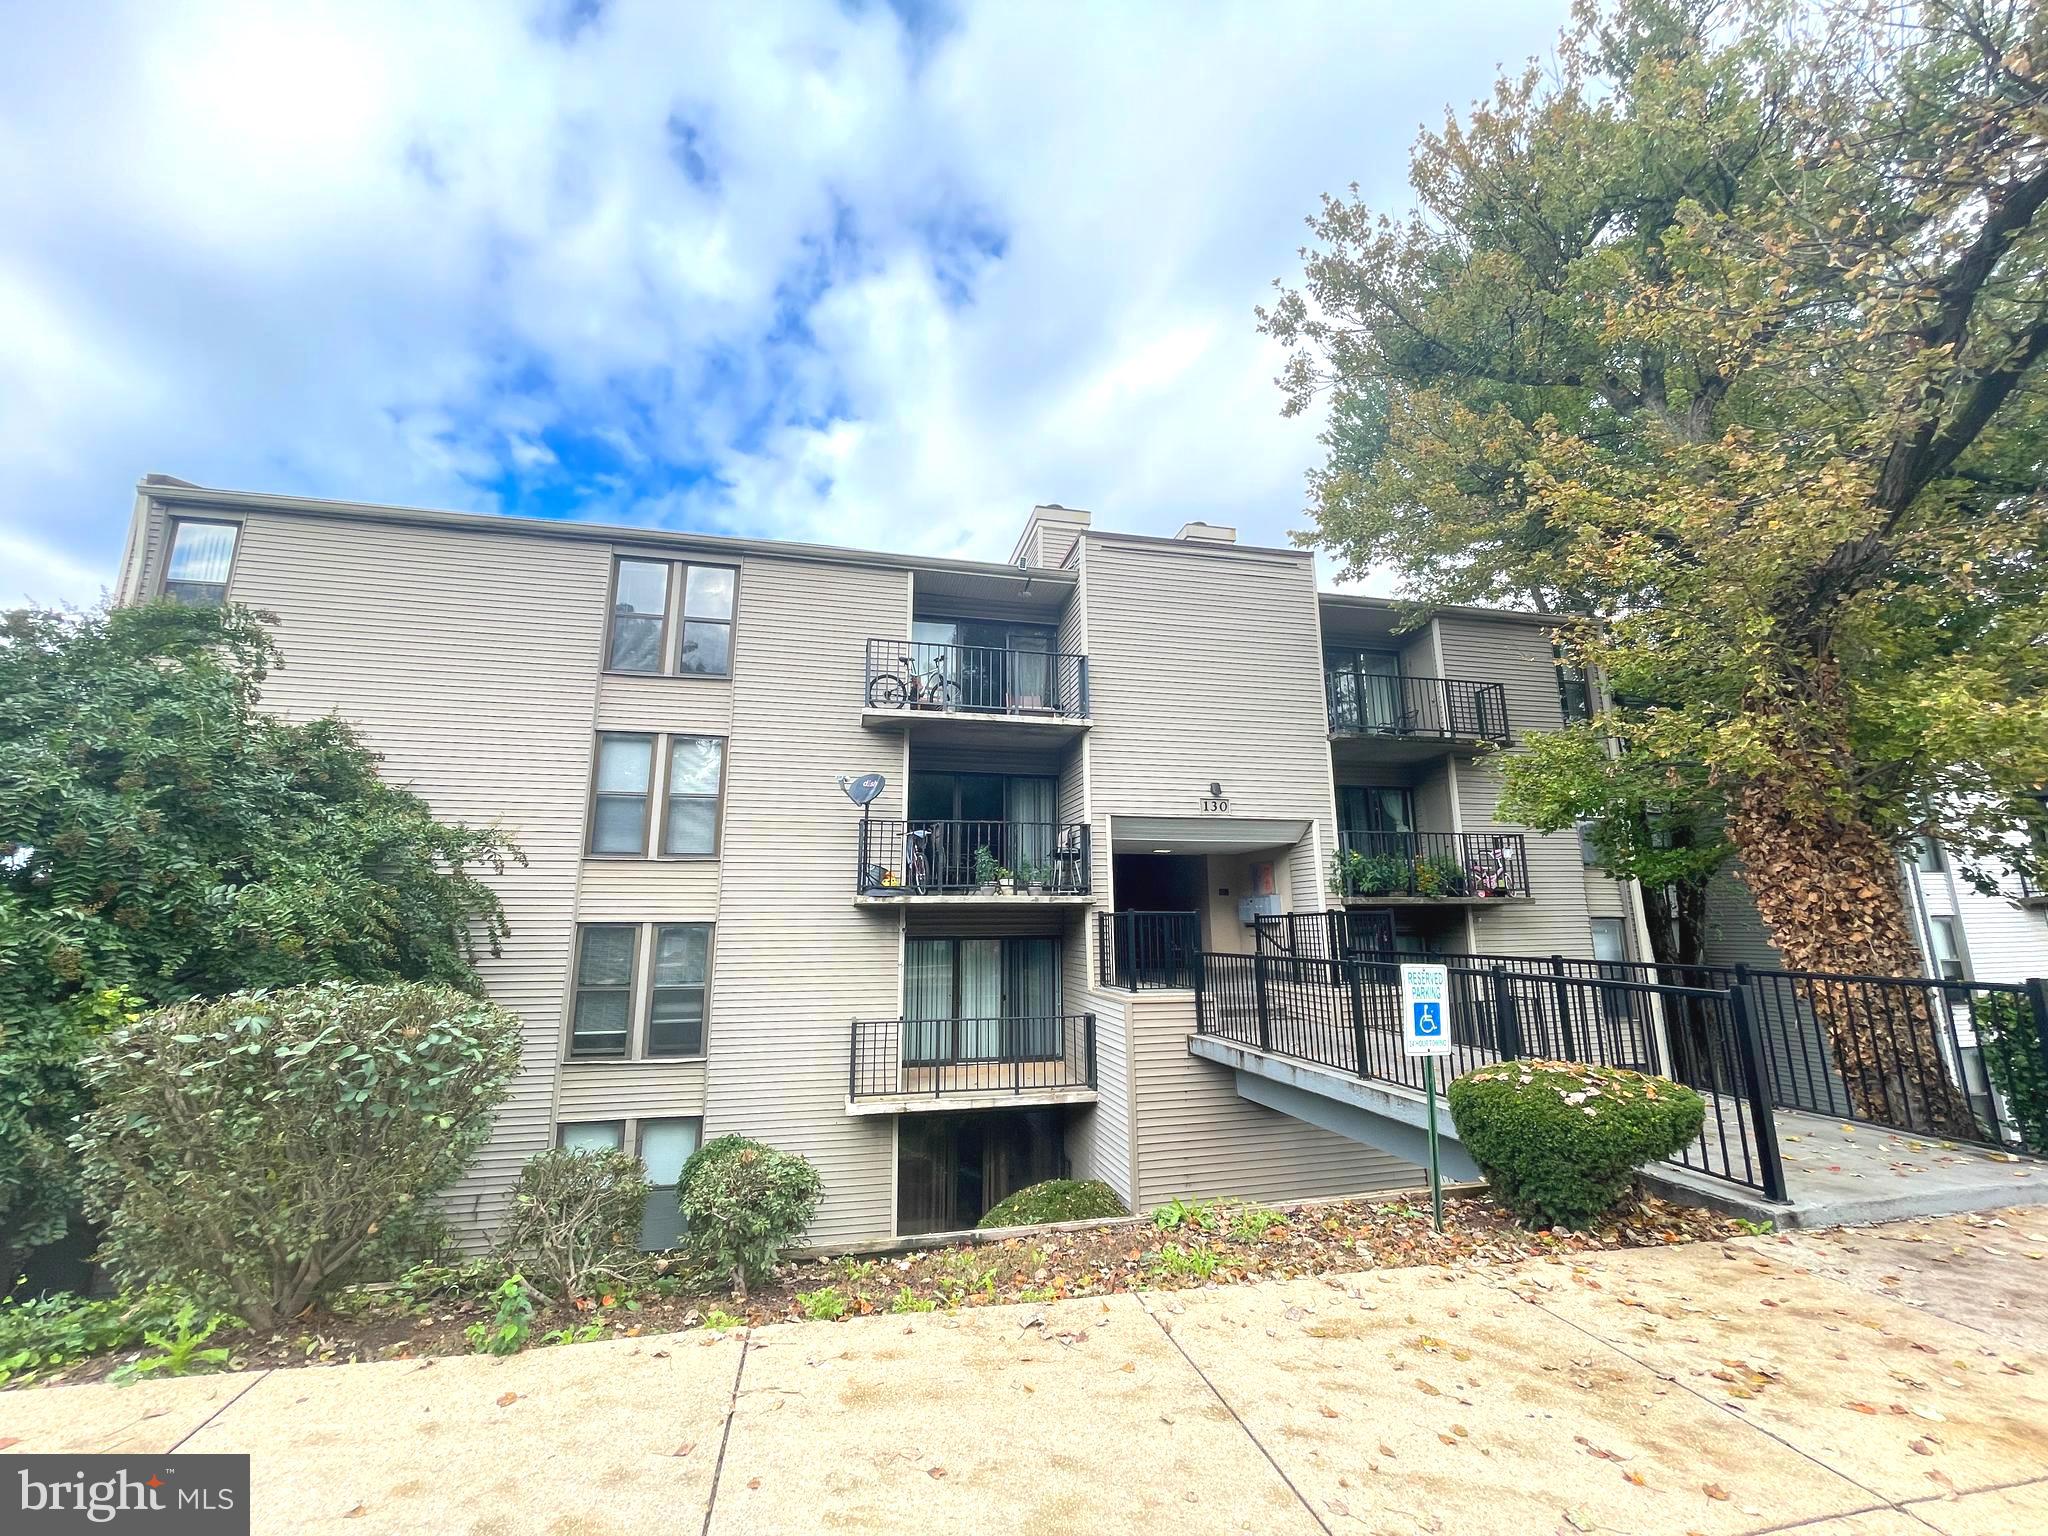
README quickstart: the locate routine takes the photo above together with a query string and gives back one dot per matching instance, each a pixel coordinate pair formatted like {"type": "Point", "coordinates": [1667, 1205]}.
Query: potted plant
{"type": "Point", "coordinates": [989, 871]}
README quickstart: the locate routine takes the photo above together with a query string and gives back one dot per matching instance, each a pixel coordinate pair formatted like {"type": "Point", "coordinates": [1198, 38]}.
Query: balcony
{"type": "Point", "coordinates": [1375, 718]}
{"type": "Point", "coordinates": [973, 863]}
{"type": "Point", "coordinates": [2024, 891]}
{"type": "Point", "coordinates": [907, 1066]}
{"type": "Point", "coordinates": [1423, 868]}
{"type": "Point", "coordinates": [974, 695]}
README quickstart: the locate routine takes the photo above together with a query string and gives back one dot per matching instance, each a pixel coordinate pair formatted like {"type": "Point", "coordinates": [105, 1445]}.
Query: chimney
{"type": "Point", "coordinates": [1207, 533]}
{"type": "Point", "coordinates": [1049, 536]}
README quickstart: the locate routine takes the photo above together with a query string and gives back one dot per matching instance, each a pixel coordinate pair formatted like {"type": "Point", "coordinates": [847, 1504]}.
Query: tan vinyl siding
{"type": "Point", "coordinates": [1605, 896]}
{"type": "Point", "coordinates": [1735, 932]}
{"type": "Point", "coordinates": [689, 706]}
{"type": "Point", "coordinates": [612, 1090]}
{"type": "Point", "coordinates": [796, 962]}
{"type": "Point", "coordinates": [1517, 656]}
{"type": "Point", "coordinates": [1199, 1140]}
{"type": "Point", "coordinates": [468, 659]}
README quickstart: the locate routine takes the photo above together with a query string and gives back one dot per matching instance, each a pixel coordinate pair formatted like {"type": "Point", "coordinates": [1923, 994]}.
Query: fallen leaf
{"type": "Point", "coordinates": [356, 1514]}
{"type": "Point", "coordinates": [1328, 1412]}
{"type": "Point", "coordinates": [1715, 1491]}
{"type": "Point", "coordinates": [684, 1449]}
{"type": "Point", "coordinates": [1634, 1477]}
{"type": "Point", "coordinates": [936, 1472]}
{"type": "Point", "coordinates": [1920, 1447]}
{"type": "Point", "coordinates": [753, 1482]}
{"type": "Point", "coordinates": [1128, 1365]}
{"type": "Point", "coordinates": [1860, 1407]}
{"type": "Point", "coordinates": [508, 1399]}
{"type": "Point", "coordinates": [6, 1441]}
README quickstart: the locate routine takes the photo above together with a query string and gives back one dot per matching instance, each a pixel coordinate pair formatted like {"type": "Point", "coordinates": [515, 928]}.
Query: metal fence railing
{"type": "Point", "coordinates": [917, 857]}
{"type": "Point", "coordinates": [983, 679]}
{"type": "Point", "coordinates": [1367, 704]}
{"type": "Point", "coordinates": [1135, 951]}
{"type": "Point", "coordinates": [912, 1058]}
{"type": "Point", "coordinates": [1447, 866]}
{"type": "Point", "coordinates": [1344, 1014]}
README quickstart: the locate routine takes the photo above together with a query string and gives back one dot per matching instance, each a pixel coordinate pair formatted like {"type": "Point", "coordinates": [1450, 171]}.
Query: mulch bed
{"type": "Point", "coordinates": [1319, 1238]}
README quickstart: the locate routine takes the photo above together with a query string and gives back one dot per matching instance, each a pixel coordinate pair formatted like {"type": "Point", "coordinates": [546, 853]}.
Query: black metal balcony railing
{"type": "Point", "coordinates": [1139, 950]}
{"type": "Point", "coordinates": [1366, 704]}
{"type": "Point", "coordinates": [1442, 866]}
{"type": "Point", "coordinates": [981, 679]}
{"type": "Point", "coordinates": [910, 1058]}
{"type": "Point", "coordinates": [921, 858]}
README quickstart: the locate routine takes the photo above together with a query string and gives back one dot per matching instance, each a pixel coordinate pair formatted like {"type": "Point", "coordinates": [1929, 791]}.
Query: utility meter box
{"type": "Point", "coordinates": [1252, 908]}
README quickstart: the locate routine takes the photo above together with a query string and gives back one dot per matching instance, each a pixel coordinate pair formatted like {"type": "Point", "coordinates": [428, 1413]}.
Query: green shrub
{"type": "Point", "coordinates": [1559, 1143]}
{"type": "Point", "coordinates": [575, 1220]}
{"type": "Point", "coordinates": [743, 1203]}
{"type": "Point", "coordinates": [824, 1305]}
{"type": "Point", "coordinates": [43, 1333]}
{"type": "Point", "coordinates": [2013, 1058]}
{"type": "Point", "coordinates": [511, 1321]}
{"type": "Point", "coordinates": [1174, 1262]}
{"type": "Point", "coordinates": [1054, 1200]}
{"type": "Point", "coordinates": [1250, 1223]}
{"type": "Point", "coordinates": [254, 1147]}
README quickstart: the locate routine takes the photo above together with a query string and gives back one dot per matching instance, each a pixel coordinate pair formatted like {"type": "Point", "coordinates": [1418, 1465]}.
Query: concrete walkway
{"type": "Point", "coordinates": [1877, 1382]}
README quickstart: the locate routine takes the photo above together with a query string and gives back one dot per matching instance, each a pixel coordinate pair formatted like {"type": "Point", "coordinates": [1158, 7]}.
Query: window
{"type": "Point", "coordinates": [602, 1015]}
{"type": "Point", "coordinates": [1948, 949]}
{"type": "Point", "coordinates": [696, 768]}
{"type": "Point", "coordinates": [1574, 696]}
{"type": "Point", "coordinates": [592, 1136]}
{"type": "Point", "coordinates": [201, 554]}
{"type": "Point", "coordinates": [682, 969]}
{"type": "Point", "coordinates": [640, 990]}
{"type": "Point", "coordinates": [1589, 855]}
{"type": "Point", "coordinates": [1371, 809]}
{"type": "Point", "coordinates": [665, 1145]}
{"type": "Point", "coordinates": [1928, 857]}
{"type": "Point", "coordinates": [624, 779]}
{"type": "Point", "coordinates": [652, 599]}
{"type": "Point", "coordinates": [1364, 689]}
{"type": "Point", "coordinates": [1610, 940]}
{"type": "Point", "coordinates": [639, 615]}
{"type": "Point", "coordinates": [707, 621]}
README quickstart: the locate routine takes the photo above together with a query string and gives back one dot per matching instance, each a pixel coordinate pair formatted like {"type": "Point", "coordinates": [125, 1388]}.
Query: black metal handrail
{"type": "Point", "coordinates": [913, 1058]}
{"type": "Point", "coordinates": [922, 858]}
{"type": "Point", "coordinates": [912, 675]}
{"type": "Point", "coordinates": [1440, 865]}
{"type": "Point", "coordinates": [1453, 708]}
{"type": "Point", "coordinates": [1137, 951]}
{"type": "Point", "coordinates": [1345, 1015]}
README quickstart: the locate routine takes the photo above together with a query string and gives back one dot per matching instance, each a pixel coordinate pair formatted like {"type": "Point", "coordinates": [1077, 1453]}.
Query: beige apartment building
{"type": "Point", "coordinates": [1096, 762]}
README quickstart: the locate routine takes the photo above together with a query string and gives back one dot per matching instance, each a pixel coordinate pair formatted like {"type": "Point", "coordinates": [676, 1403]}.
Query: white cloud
{"type": "Point", "coordinates": [871, 292]}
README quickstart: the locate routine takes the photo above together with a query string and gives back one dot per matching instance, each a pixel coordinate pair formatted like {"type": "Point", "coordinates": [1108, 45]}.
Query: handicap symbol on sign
{"type": "Point", "coordinates": [1429, 1022]}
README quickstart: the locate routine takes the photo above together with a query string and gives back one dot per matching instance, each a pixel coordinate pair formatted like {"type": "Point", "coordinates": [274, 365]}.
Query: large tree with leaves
{"type": "Point", "coordinates": [1720, 338]}
{"type": "Point", "coordinates": [161, 838]}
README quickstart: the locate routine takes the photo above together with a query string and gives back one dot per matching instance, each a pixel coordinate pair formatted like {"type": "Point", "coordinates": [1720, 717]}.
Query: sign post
{"type": "Point", "coordinates": [1426, 1032]}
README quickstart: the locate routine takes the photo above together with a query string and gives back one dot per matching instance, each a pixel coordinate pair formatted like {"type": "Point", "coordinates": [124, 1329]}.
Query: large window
{"type": "Point", "coordinates": [1364, 689]}
{"type": "Point", "coordinates": [602, 1015]}
{"type": "Point", "coordinates": [981, 1000]}
{"type": "Point", "coordinates": [1928, 857]}
{"type": "Point", "coordinates": [654, 599]}
{"type": "Point", "coordinates": [1574, 692]}
{"type": "Point", "coordinates": [592, 1136]}
{"type": "Point", "coordinates": [1948, 948]}
{"type": "Point", "coordinates": [665, 1145]}
{"type": "Point", "coordinates": [201, 556]}
{"type": "Point", "coordinates": [639, 615]}
{"type": "Point", "coordinates": [1369, 808]}
{"type": "Point", "coordinates": [696, 769]}
{"type": "Point", "coordinates": [640, 990]}
{"type": "Point", "coordinates": [624, 785]}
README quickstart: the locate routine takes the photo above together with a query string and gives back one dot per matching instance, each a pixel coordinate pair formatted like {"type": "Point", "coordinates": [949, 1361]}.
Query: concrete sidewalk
{"type": "Point", "coordinates": [1878, 1382]}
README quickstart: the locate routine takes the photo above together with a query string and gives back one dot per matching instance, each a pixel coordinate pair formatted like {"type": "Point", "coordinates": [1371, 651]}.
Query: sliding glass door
{"type": "Point", "coordinates": [981, 1000]}
{"type": "Point", "coordinates": [1365, 690]}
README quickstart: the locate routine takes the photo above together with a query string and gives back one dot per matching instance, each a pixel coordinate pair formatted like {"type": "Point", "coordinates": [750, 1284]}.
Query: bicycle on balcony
{"type": "Point", "coordinates": [929, 689]}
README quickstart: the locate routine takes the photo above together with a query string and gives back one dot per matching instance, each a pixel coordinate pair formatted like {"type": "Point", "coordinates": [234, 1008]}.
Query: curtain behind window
{"type": "Point", "coordinates": [1034, 997]}
{"type": "Point", "coordinates": [1031, 813]}
{"type": "Point", "coordinates": [927, 998]}
{"type": "Point", "coordinates": [981, 998]}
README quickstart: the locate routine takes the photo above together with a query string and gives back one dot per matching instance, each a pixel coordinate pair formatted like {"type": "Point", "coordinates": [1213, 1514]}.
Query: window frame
{"type": "Point", "coordinates": [668, 739]}
{"type": "Point", "coordinates": [611, 616]}
{"type": "Point", "coordinates": [563, 1126]}
{"type": "Point", "coordinates": [657, 1191]}
{"type": "Point", "coordinates": [655, 790]}
{"type": "Point", "coordinates": [1929, 857]}
{"type": "Point", "coordinates": [675, 616]}
{"type": "Point", "coordinates": [172, 523]}
{"type": "Point", "coordinates": [640, 992]}
{"type": "Point", "coordinates": [646, 1033]}
{"type": "Point", "coordinates": [577, 987]}
{"type": "Point", "coordinates": [684, 620]}
{"type": "Point", "coordinates": [1947, 925]}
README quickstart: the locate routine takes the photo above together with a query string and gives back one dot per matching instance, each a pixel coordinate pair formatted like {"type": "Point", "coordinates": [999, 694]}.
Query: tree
{"type": "Point", "coordinates": [161, 838]}
{"type": "Point", "coordinates": [1721, 342]}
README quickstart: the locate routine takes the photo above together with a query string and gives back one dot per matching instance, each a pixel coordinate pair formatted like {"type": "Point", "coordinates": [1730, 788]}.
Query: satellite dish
{"type": "Point", "coordinates": [863, 789]}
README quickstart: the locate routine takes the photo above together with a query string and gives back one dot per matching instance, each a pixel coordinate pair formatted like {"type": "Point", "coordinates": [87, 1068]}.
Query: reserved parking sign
{"type": "Point", "coordinates": [1426, 1010]}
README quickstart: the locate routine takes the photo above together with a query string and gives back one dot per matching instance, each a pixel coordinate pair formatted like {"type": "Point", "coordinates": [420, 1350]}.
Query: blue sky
{"type": "Point", "coordinates": [864, 273]}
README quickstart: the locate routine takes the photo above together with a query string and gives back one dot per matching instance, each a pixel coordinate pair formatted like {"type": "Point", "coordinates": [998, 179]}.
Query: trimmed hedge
{"type": "Point", "coordinates": [1054, 1200]}
{"type": "Point", "coordinates": [575, 1220]}
{"type": "Point", "coordinates": [743, 1202]}
{"type": "Point", "coordinates": [1560, 1142]}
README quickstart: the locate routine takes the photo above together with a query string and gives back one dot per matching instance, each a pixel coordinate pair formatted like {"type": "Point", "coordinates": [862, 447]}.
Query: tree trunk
{"type": "Point", "coordinates": [1827, 888]}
